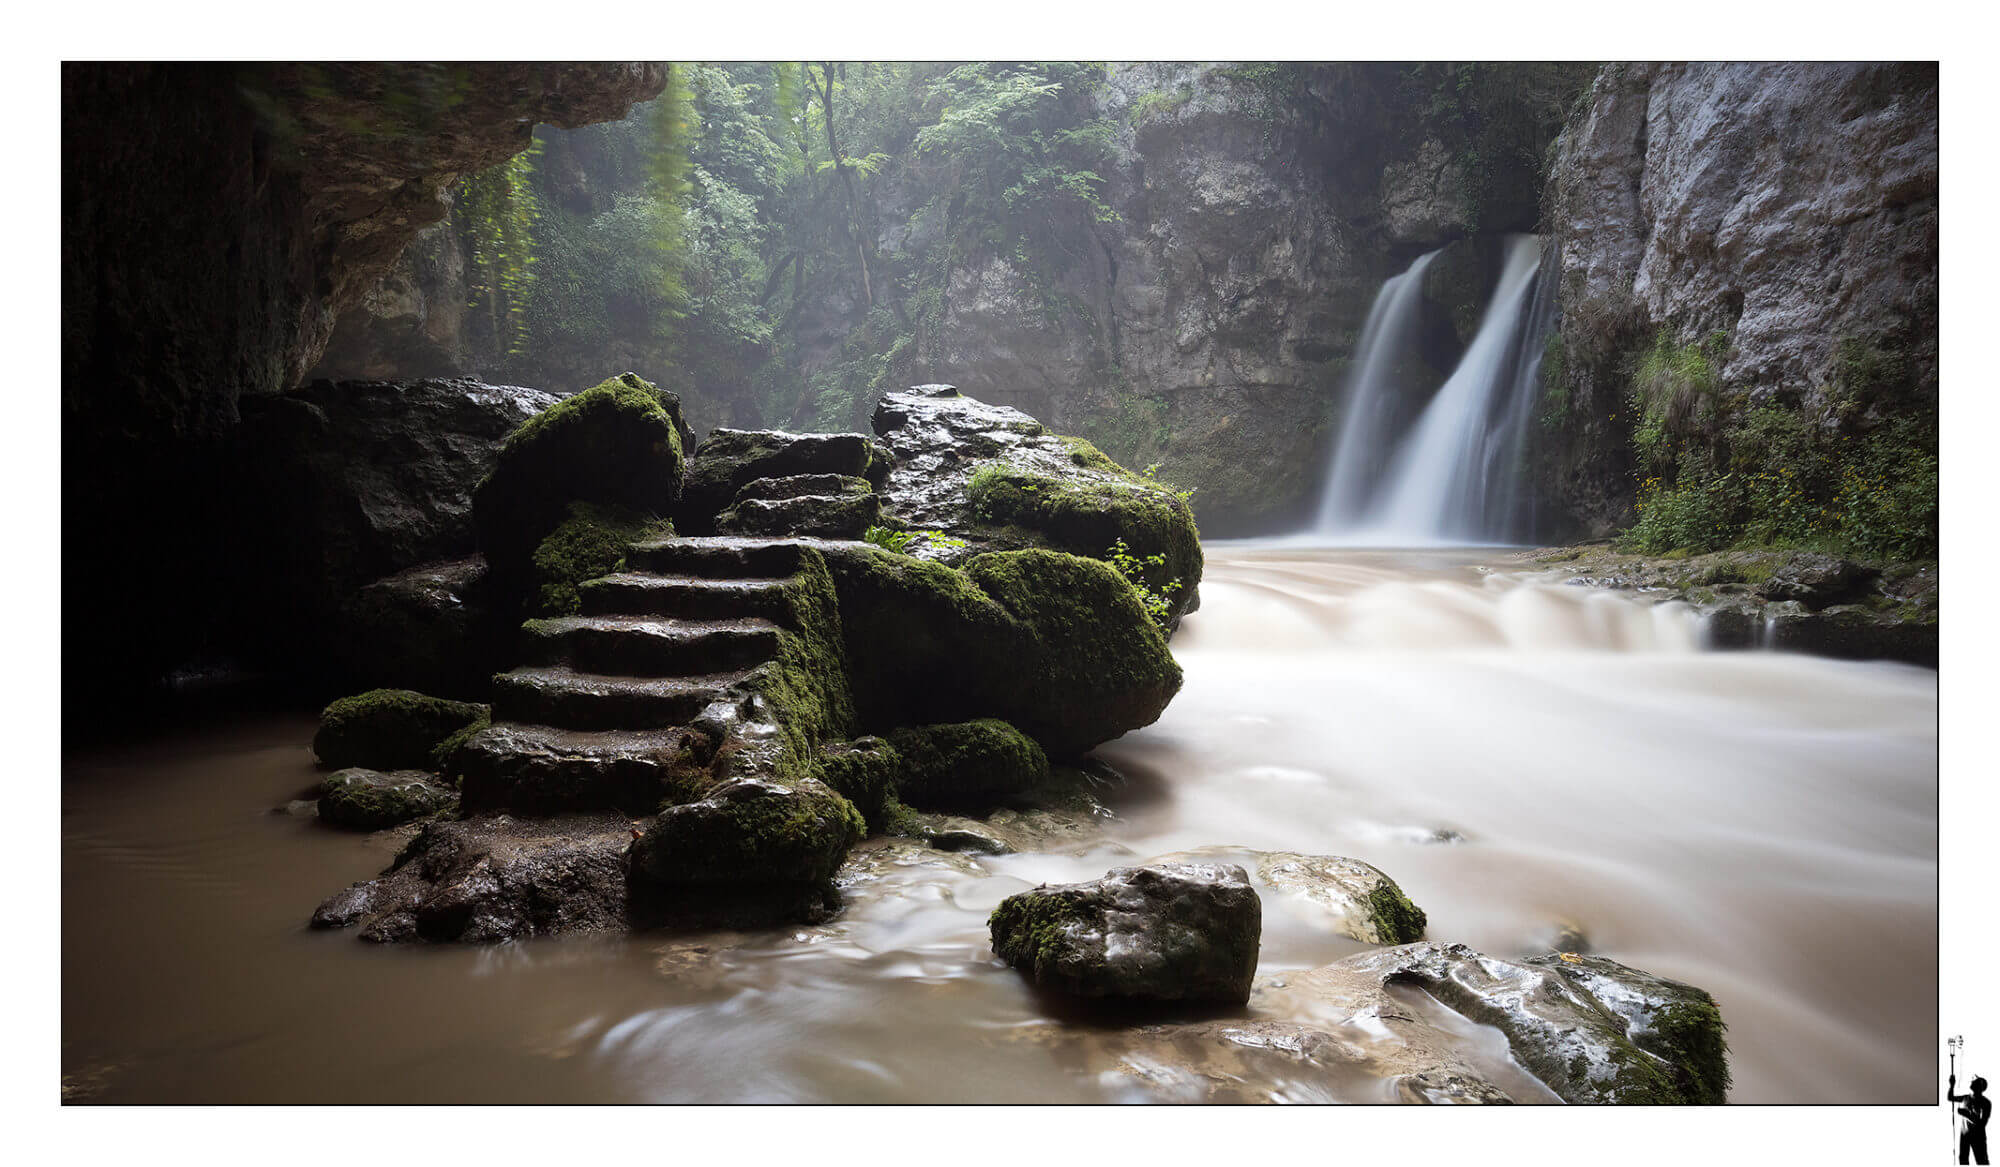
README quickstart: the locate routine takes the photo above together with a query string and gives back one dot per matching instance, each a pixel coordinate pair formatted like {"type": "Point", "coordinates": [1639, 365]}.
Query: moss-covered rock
{"type": "Point", "coordinates": [370, 800]}
{"type": "Point", "coordinates": [864, 771]}
{"type": "Point", "coordinates": [1168, 932]}
{"type": "Point", "coordinates": [617, 444]}
{"type": "Point", "coordinates": [1055, 644]}
{"type": "Point", "coordinates": [389, 729]}
{"type": "Point", "coordinates": [1091, 516]}
{"type": "Point", "coordinates": [996, 478]}
{"type": "Point", "coordinates": [750, 832]}
{"type": "Point", "coordinates": [972, 764]}
{"type": "Point", "coordinates": [590, 543]}
{"type": "Point", "coordinates": [1366, 903]}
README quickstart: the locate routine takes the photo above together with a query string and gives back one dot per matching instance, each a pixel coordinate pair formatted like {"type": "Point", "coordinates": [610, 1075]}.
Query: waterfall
{"type": "Point", "coordinates": [1454, 476]}
{"type": "Point", "coordinates": [1371, 397]}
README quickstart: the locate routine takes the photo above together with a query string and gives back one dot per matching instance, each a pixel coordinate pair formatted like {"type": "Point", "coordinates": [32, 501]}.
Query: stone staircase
{"type": "Point", "coordinates": [607, 705]}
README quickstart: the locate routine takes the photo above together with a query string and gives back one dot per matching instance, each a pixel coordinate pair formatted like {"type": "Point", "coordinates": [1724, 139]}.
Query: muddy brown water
{"type": "Point", "coordinates": [1761, 825]}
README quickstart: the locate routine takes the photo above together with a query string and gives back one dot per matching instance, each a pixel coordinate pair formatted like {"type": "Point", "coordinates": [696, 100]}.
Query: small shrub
{"type": "Point", "coordinates": [1159, 604]}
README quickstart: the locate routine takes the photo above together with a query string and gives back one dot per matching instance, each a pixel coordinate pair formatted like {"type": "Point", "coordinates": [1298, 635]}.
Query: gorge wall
{"type": "Point", "coordinates": [1202, 320]}
{"type": "Point", "coordinates": [1748, 265]}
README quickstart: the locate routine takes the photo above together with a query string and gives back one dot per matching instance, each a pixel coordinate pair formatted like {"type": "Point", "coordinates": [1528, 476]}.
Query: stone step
{"type": "Point", "coordinates": [557, 696]}
{"type": "Point", "coordinates": [543, 769]}
{"type": "Point", "coordinates": [691, 597]}
{"type": "Point", "coordinates": [724, 556]}
{"type": "Point", "coordinates": [648, 646]}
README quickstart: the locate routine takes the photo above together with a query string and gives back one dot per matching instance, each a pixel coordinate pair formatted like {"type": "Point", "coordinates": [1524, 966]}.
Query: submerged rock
{"type": "Point", "coordinates": [1367, 903]}
{"type": "Point", "coordinates": [1173, 932]}
{"type": "Point", "coordinates": [390, 729]}
{"type": "Point", "coordinates": [370, 799]}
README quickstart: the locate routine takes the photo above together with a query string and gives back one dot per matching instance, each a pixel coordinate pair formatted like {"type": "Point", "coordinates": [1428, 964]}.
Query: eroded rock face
{"type": "Point", "coordinates": [358, 480]}
{"type": "Point", "coordinates": [216, 219]}
{"type": "Point", "coordinates": [1169, 932]}
{"type": "Point", "coordinates": [426, 629]}
{"type": "Point", "coordinates": [1790, 207]}
{"type": "Point", "coordinates": [494, 878]}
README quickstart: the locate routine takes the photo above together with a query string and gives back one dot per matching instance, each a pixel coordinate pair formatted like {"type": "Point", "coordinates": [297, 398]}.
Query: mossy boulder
{"type": "Point", "coordinates": [1367, 904]}
{"type": "Point", "coordinates": [728, 460]}
{"type": "Point", "coordinates": [591, 542]}
{"type": "Point", "coordinates": [1091, 515]}
{"type": "Point", "coordinates": [997, 479]}
{"type": "Point", "coordinates": [1058, 645]}
{"type": "Point", "coordinates": [615, 444]}
{"type": "Point", "coordinates": [749, 833]}
{"type": "Point", "coordinates": [967, 765]}
{"type": "Point", "coordinates": [370, 800]}
{"type": "Point", "coordinates": [1167, 932]}
{"type": "Point", "coordinates": [864, 771]}
{"type": "Point", "coordinates": [390, 729]}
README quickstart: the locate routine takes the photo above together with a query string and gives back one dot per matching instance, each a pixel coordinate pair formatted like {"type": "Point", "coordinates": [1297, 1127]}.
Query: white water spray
{"type": "Point", "coordinates": [1452, 478]}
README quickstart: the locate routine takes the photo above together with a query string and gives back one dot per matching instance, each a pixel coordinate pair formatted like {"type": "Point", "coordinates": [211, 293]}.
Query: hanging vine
{"type": "Point", "coordinates": [498, 213]}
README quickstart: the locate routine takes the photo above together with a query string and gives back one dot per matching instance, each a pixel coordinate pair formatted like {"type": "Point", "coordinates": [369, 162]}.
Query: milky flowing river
{"type": "Point", "coordinates": [1514, 753]}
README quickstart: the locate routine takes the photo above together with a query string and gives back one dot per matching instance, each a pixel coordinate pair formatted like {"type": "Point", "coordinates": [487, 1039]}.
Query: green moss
{"type": "Point", "coordinates": [368, 800]}
{"type": "Point", "coordinates": [1036, 931]}
{"type": "Point", "coordinates": [389, 729]}
{"type": "Point", "coordinates": [1090, 516]}
{"type": "Point", "coordinates": [444, 756]}
{"type": "Point", "coordinates": [1055, 644]}
{"type": "Point", "coordinates": [865, 772]}
{"type": "Point", "coordinates": [806, 683]}
{"type": "Point", "coordinates": [616, 444]}
{"type": "Point", "coordinates": [1396, 919]}
{"type": "Point", "coordinates": [900, 820]}
{"type": "Point", "coordinates": [591, 542]}
{"type": "Point", "coordinates": [967, 765]}
{"type": "Point", "coordinates": [1690, 1034]}
{"type": "Point", "coordinates": [795, 836]}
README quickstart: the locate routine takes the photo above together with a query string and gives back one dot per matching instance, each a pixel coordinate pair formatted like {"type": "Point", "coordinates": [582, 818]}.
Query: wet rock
{"type": "Point", "coordinates": [863, 771]}
{"type": "Point", "coordinates": [1591, 1029]}
{"type": "Point", "coordinates": [969, 764]}
{"type": "Point", "coordinates": [729, 460]}
{"type": "Point", "coordinates": [970, 841]}
{"type": "Point", "coordinates": [841, 516]}
{"type": "Point", "coordinates": [752, 838]}
{"type": "Point", "coordinates": [801, 485]}
{"type": "Point", "coordinates": [494, 878]}
{"type": "Point", "coordinates": [369, 800]}
{"type": "Point", "coordinates": [1815, 580]}
{"type": "Point", "coordinates": [1174, 932]}
{"type": "Point", "coordinates": [1388, 1026]}
{"type": "Point", "coordinates": [390, 729]}
{"type": "Point", "coordinates": [1368, 904]}
{"type": "Point", "coordinates": [426, 629]}
{"type": "Point", "coordinates": [1855, 632]}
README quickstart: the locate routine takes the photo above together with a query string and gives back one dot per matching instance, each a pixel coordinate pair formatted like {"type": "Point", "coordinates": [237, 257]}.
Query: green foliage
{"type": "Point", "coordinates": [1157, 103]}
{"type": "Point", "coordinates": [901, 541]}
{"type": "Point", "coordinates": [498, 213]}
{"type": "Point", "coordinates": [1157, 602]}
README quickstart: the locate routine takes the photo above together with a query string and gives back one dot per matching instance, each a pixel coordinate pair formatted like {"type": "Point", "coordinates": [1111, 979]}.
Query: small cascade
{"type": "Point", "coordinates": [1365, 434]}
{"type": "Point", "coordinates": [1454, 477]}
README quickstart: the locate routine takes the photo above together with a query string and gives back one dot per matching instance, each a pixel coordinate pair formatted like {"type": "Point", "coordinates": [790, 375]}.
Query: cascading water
{"type": "Point", "coordinates": [1364, 439]}
{"type": "Point", "coordinates": [1454, 476]}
